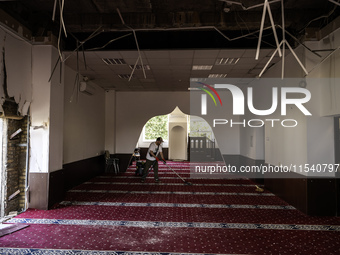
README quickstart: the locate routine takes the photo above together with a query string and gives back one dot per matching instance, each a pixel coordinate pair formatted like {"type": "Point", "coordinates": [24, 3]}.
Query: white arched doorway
{"type": "Point", "coordinates": [178, 143]}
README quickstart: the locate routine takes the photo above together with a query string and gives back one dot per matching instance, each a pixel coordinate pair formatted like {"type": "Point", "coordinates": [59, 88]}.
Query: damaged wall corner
{"type": "Point", "coordinates": [10, 110]}
{"type": "Point", "coordinates": [15, 95]}
{"type": "Point", "coordinates": [15, 76]}
{"type": "Point", "coordinates": [9, 107]}
{"type": "Point", "coordinates": [14, 165]}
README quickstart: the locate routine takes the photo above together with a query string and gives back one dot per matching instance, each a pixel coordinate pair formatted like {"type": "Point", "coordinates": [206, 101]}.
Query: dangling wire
{"type": "Point", "coordinates": [76, 81]}
{"type": "Point", "coordinates": [62, 15]}
{"type": "Point", "coordinates": [94, 34]}
{"type": "Point", "coordinates": [111, 41]}
{"type": "Point", "coordinates": [54, 68]}
{"type": "Point", "coordinates": [139, 54]}
{"type": "Point", "coordinates": [266, 7]}
{"type": "Point", "coordinates": [61, 25]}
{"type": "Point", "coordinates": [283, 43]}
{"type": "Point", "coordinates": [84, 58]}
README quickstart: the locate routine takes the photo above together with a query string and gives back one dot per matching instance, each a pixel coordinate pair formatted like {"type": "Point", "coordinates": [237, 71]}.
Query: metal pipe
{"type": "Point", "coordinates": [274, 28]}
{"type": "Point", "coordinates": [261, 30]}
{"type": "Point", "coordinates": [272, 56]}
{"type": "Point", "coordinates": [297, 59]}
{"type": "Point", "coordinates": [134, 68]}
{"type": "Point", "coordinates": [27, 163]}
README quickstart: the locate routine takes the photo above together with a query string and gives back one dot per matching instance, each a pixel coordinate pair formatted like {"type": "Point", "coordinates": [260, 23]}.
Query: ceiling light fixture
{"type": "Point", "coordinates": [202, 67]}
{"type": "Point", "coordinates": [140, 67]}
{"type": "Point", "coordinates": [136, 41]}
{"type": "Point", "coordinates": [126, 76]}
{"type": "Point", "coordinates": [114, 61]}
{"type": "Point", "coordinates": [227, 61]}
{"type": "Point", "coordinates": [215, 75]}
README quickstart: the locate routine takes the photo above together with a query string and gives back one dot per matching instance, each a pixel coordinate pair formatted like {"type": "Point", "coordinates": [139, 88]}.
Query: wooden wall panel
{"type": "Point", "coordinates": [38, 191]}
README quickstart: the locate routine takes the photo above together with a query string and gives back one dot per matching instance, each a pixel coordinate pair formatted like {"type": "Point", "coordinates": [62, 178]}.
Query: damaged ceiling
{"type": "Point", "coordinates": [172, 36]}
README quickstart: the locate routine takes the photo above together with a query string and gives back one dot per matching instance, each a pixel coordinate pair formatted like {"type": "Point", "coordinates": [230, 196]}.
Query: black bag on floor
{"type": "Point", "coordinates": [139, 168]}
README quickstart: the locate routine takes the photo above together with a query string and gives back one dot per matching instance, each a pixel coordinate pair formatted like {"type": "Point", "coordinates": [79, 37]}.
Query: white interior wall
{"type": "Point", "coordinates": [252, 142]}
{"type": "Point", "coordinates": [134, 109]}
{"type": "Point", "coordinates": [330, 69]}
{"type": "Point", "coordinates": [272, 144]}
{"type": "Point", "coordinates": [287, 146]}
{"type": "Point", "coordinates": [324, 81]}
{"type": "Point", "coordinates": [110, 120]}
{"type": "Point", "coordinates": [252, 139]}
{"type": "Point", "coordinates": [84, 121]}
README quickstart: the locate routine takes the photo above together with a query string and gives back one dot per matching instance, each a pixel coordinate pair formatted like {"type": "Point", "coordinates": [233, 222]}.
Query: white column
{"type": "Point", "coordinates": [40, 109]}
{"type": "Point", "coordinates": [110, 121]}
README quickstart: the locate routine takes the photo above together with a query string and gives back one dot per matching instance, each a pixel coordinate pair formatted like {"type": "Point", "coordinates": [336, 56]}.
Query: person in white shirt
{"type": "Point", "coordinates": [152, 159]}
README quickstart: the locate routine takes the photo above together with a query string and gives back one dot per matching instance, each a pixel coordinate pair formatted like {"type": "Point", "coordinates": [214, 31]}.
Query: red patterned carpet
{"type": "Point", "coordinates": [118, 215]}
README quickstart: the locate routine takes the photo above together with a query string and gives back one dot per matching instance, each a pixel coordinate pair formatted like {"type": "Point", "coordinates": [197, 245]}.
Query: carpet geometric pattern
{"type": "Point", "coordinates": [116, 214]}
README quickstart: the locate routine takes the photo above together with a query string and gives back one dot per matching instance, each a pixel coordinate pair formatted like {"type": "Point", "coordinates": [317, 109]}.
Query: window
{"type": "Point", "coordinates": [156, 127]}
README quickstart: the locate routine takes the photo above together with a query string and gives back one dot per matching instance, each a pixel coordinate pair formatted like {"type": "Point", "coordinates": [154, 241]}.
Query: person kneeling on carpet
{"type": "Point", "coordinates": [152, 159]}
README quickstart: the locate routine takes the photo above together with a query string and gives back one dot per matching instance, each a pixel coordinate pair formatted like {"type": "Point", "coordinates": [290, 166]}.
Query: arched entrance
{"type": "Point", "coordinates": [178, 143]}
{"type": "Point", "coordinates": [181, 143]}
